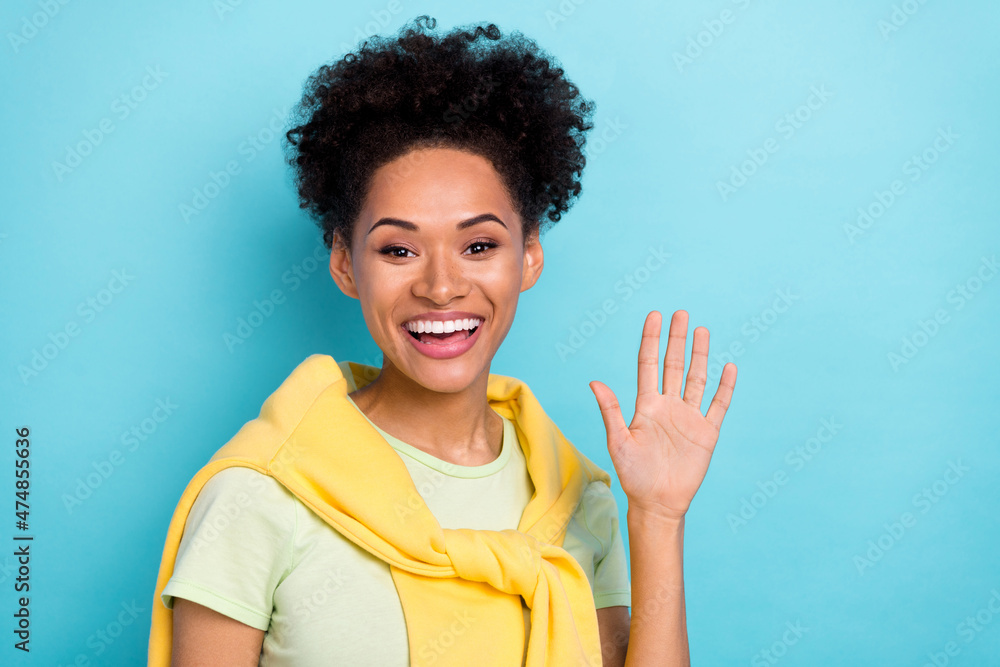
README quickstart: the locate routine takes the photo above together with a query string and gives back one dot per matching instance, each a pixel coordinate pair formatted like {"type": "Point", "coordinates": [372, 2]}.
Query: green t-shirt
{"type": "Point", "coordinates": [252, 551]}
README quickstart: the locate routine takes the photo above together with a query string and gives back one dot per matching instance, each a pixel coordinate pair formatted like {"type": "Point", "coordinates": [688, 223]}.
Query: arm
{"type": "Point", "coordinates": [657, 634]}
{"type": "Point", "coordinates": [613, 624]}
{"type": "Point", "coordinates": [658, 631]}
{"type": "Point", "coordinates": [661, 459]}
{"type": "Point", "coordinates": [203, 636]}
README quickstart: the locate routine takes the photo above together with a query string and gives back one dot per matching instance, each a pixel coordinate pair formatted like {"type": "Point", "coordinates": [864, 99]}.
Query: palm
{"type": "Point", "coordinates": [661, 457]}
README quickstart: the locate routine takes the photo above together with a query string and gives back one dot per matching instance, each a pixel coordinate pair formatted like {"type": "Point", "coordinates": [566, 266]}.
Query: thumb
{"type": "Point", "coordinates": [611, 413]}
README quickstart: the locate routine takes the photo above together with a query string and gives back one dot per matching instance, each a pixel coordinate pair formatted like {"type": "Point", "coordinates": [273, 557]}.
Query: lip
{"type": "Point", "coordinates": [444, 351]}
{"type": "Point", "coordinates": [444, 316]}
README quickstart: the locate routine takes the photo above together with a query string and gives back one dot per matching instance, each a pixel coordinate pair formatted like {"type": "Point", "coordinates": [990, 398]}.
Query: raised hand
{"type": "Point", "coordinates": [661, 457]}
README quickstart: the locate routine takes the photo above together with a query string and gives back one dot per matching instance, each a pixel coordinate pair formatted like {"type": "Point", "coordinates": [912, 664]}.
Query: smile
{"type": "Point", "coordinates": [443, 340]}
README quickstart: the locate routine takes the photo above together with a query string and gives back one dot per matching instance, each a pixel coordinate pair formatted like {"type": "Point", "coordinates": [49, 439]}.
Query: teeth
{"type": "Point", "coordinates": [438, 326]}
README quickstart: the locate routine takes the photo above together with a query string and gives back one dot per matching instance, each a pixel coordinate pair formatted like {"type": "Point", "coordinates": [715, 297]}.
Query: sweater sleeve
{"type": "Point", "coordinates": [236, 546]}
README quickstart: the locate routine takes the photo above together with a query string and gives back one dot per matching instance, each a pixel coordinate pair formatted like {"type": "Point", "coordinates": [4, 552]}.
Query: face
{"type": "Point", "coordinates": [437, 239]}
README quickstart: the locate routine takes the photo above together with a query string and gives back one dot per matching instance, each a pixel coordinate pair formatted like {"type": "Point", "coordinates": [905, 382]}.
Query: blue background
{"type": "Point", "coordinates": [893, 78]}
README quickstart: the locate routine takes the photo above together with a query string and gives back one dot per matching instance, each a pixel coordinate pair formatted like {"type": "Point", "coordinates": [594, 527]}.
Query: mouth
{"type": "Point", "coordinates": [451, 338]}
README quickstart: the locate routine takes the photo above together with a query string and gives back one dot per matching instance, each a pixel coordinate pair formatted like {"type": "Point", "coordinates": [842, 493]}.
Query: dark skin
{"type": "Point", "coordinates": [436, 405]}
{"type": "Point", "coordinates": [440, 406]}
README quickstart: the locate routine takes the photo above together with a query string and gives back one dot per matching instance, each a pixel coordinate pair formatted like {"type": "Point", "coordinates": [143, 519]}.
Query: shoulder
{"type": "Point", "coordinates": [597, 514]}
{"type": "Point", "coordinates": [237, 546]}
{"type": "Point", "coordinates": [598, 501]}
{"type": "Point", "coordinates": [237, 481]}
{"type": "Point", "coordinates": [242, 495]}
{"type": "Point", "coordinates": [599, 517]}
{"type": "Point", "coordinates": [284, 409]}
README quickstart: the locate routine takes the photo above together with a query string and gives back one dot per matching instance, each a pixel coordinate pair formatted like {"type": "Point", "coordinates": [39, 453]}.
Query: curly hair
{"type": "Point", "coordinates": [506, 101]}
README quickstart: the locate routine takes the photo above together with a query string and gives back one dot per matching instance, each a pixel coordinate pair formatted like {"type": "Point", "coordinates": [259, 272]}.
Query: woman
{"type": "Point", "coordinates": [429, 512]}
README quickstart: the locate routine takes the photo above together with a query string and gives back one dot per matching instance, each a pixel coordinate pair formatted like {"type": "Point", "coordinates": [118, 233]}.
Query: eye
{"type": "Point", "coordinates": [390, 250]}
{"type": "Point", "coordinates": [483, 243]}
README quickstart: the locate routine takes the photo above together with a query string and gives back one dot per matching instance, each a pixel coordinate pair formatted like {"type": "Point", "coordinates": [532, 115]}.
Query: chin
{"type": "Point", "coordinates": [445, 376]}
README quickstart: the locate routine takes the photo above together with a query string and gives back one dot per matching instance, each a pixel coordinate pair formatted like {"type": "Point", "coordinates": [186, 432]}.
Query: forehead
{"type": "Point", "coordinates": [436, 186]}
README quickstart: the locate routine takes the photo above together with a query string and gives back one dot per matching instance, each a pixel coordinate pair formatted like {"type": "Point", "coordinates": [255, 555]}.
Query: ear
{"type": "Point", "coordinates": [533, 259]}
{"type": "Point", "coordinates": [341, 267]}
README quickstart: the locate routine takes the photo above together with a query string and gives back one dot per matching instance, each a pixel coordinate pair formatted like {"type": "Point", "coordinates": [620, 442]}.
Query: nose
{"type": "Point", "coordinates": [441, 278]}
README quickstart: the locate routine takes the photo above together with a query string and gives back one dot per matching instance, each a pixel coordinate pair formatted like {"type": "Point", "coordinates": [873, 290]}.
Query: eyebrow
{"type": "Point", "coordinates": [411, 226]}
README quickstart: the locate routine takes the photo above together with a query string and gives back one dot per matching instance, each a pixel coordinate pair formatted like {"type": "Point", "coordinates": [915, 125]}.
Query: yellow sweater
{"type": "Point", "coordinates": [313, 441]}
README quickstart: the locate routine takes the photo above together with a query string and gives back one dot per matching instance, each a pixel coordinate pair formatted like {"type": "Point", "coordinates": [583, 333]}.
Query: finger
{"type": "Point", "coordinates": [694, 389]}
{"type": "Point", "coordinates": [673, 362]}
{"type": "Point", "coordinates": [611, 413]}
{"type": "Point", "coordinates": [649, 355]}
{"type": "Point", "coordinates": [723, 395]}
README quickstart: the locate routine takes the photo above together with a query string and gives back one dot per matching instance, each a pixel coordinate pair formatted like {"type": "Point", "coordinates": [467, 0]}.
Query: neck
{"type": "Point", "coordinates": [457, 427]}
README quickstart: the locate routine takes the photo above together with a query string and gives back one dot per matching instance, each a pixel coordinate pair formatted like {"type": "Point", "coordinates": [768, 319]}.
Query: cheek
{"type": "Point", "coordinates": [373, 297]}
{"type": "Point", "coordinates": [504, 276]}
{"type": "Point", "coordinates": [515, 279]}
{"type": "Point", "coordinates": [373, 285]}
